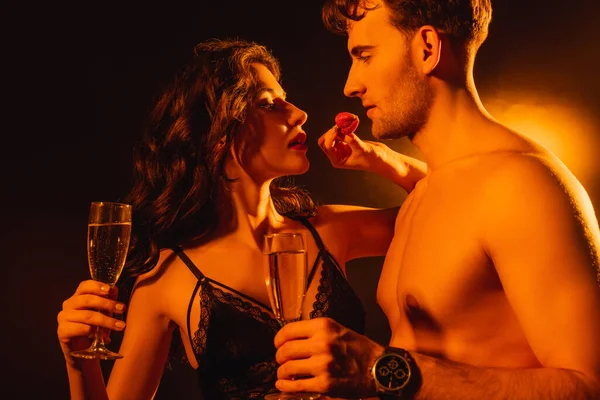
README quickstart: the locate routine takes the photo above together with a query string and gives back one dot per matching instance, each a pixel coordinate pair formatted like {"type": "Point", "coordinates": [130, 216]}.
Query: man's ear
{"type": "Point", "coordinates": [429, 44]}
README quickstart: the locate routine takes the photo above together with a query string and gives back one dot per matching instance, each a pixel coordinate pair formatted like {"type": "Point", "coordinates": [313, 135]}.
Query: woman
{"type": "Point", "coordinates": [207, 187]}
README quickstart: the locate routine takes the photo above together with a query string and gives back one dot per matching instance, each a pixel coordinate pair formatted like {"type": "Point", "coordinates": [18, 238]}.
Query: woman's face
{"type": "Point", "coordinates": [271, 142]}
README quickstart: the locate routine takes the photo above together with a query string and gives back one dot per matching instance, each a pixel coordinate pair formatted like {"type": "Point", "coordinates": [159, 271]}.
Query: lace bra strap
{"type": "Point", "coordinates": [327, 257]}
{"type": "Point", "coordinates": [186, 260]}
{"type": "Point", "coordinates": [323, 253]}
{"type": "Point", "coordinates": [192, 267]}
{"type": "Point", "coordinates": [314, 233]}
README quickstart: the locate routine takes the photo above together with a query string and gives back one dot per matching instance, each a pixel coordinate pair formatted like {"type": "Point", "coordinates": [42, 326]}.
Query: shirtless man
{"type": "Point", "coordinates": [490, 284]}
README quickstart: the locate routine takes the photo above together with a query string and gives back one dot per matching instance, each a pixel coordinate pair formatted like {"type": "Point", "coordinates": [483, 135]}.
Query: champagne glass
{"type": "Point", "coordinates": [109, 230]}
{"type": "Point", "coordinates": [285, 265]}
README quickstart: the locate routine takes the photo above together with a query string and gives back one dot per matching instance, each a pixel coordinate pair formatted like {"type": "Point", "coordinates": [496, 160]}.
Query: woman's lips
{"type": "Point", "coordinates": [298, 142]}
{"type": "Point", "coordinates": [299, 146]}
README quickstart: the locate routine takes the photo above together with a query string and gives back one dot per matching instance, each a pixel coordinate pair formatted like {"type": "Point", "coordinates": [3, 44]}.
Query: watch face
{"type": "Point", "coordinates": [392, 372]}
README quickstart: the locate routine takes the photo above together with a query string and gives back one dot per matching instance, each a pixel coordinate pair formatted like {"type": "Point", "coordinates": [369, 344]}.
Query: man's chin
{"type": "Point", "coordinates": [387, 135]}
{"type": "Point", "coordinates": [390, 133]}
{"type": "Point", "coordinates": [377, 132]}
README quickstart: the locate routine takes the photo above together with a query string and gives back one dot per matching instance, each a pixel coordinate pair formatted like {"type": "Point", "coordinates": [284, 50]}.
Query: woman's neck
{"type": "Point", "coordinates": [252, 212]}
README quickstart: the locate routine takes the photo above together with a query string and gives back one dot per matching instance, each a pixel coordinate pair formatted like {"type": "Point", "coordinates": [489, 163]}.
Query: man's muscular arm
{"type": "Point", "coordinates": [443, 379]}
{"type": "Point", "coordinates": [540, 231]}
{"type": "Point", "coordinates": [542, 236]}
{"type": "Point", "coordinates": [339, 360]}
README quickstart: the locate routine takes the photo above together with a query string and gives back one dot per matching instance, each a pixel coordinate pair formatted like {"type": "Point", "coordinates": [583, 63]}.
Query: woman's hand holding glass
{"type": "Point", "coordinates": [90, 307]}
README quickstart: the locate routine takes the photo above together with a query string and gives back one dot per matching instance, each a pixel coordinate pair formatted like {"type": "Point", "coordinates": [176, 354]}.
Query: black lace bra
{"type": "Point", "coordinates": [233, 343]}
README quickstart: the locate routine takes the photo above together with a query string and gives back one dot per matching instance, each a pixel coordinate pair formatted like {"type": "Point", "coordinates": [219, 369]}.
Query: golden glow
{"type": "Point", "coordinates": [565, 130]}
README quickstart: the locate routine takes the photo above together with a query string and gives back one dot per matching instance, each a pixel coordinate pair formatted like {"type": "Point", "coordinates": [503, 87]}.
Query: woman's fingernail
{"type": "Point", "coordinates": [105, 288]}
{"type": "Point", "coordinates": [119, 306]}
{"type": "Point", "coordinates": [120, 324]}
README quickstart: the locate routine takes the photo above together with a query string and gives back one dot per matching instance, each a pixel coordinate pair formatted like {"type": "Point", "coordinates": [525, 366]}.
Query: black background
{"type": "Point", "coordinates": [78, 80]}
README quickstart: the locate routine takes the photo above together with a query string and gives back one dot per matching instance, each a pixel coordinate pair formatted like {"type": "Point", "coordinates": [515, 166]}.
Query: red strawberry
{"type": "Point", "coordinates": [346, 122]}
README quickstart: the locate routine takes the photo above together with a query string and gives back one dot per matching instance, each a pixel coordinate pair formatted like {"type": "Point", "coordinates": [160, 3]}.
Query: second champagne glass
{"type": "Point", "coordinates": [109, 230]}
{"type": "Point", "coordinates": [286, 279]}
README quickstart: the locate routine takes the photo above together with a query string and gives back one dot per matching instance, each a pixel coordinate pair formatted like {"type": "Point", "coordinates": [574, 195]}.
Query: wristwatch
{"type": "Point", "coordinates": [396, 374]}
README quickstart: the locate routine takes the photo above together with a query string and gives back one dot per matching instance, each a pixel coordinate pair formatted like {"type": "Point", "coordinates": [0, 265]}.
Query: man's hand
{"type": "Point", "coordinates": [325, 357]}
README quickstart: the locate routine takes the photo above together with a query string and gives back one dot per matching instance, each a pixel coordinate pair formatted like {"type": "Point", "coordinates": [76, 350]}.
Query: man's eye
{"type": "Point", "coordinates": [363, 57]}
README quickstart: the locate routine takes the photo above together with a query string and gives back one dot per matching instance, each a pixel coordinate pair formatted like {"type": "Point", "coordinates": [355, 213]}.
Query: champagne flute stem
{"type": "Point", "coordinates": [98, 342]}
{"type": "Point", "coordinates": [98, 338]}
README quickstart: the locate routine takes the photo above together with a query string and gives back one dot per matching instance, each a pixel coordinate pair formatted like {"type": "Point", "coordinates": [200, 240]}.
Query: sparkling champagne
{"type": "Point", "coordinates": [107, 250]}
{"type": "Point", "coordinates": [286, 283]}
{"type": "Point", "coordinates": [109, 229]}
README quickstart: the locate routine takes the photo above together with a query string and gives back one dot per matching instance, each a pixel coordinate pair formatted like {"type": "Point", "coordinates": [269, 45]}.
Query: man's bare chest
{"type": "Point", "coordinates": [436, 263]}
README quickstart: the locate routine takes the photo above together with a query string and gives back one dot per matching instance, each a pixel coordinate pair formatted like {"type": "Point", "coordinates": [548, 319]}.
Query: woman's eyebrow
{"type": "Point", "coordinates": [274, 92]}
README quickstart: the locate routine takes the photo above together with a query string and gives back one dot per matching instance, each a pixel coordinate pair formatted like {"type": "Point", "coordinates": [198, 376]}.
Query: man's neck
{"type": "Point", "coordinates": [456, 127]}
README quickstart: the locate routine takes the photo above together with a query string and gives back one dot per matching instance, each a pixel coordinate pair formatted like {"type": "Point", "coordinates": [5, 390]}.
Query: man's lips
{"type": "Point", "coordinates": [370, 110]}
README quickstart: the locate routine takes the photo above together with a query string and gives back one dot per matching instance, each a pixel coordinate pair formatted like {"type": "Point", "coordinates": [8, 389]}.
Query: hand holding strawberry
{"type": "Point", "coordinates": [346, 150]}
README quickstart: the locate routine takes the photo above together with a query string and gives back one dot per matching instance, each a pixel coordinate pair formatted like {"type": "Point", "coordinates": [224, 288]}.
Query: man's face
{"type": "Point", "coordinates": [383, 75]}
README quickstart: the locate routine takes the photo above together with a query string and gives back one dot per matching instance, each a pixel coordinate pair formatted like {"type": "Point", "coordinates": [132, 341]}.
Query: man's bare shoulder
{"type": "Point", "coordinates": [500, 150]}
{"type": "Point", "coordinates": [515, 179]}
{"type": "Point", "coordinates": [522, 162]}
{"type": "Point", "coordinates": [533, 172]}
{"type": "Point", "coordinates": [521, 186]}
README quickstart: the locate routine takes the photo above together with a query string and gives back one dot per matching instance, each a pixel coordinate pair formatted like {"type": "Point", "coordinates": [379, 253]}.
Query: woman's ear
{"type": "Point", "coordinates": [223, 140]}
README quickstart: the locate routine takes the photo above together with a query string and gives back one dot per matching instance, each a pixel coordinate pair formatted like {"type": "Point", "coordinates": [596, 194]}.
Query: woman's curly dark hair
{"type": "Point", "coordinates": [179, 160]}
